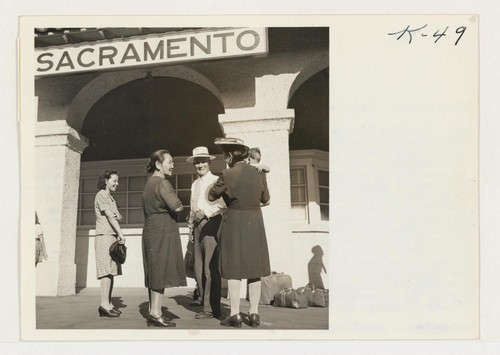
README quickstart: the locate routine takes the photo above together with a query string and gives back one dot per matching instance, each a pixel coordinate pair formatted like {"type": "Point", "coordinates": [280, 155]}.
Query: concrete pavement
{"type": "Point", "coordinates": [80, 312]}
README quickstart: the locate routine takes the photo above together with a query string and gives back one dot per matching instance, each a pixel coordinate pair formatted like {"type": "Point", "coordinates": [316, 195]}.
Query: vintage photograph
{"type": "Point", "coordinates": [249, 178]}
{"type": "Point", "coordinates": [182, 178]}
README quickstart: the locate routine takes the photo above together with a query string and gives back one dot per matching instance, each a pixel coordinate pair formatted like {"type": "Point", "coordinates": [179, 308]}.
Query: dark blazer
{"type": "Point", "coordinates": [243, 245]}
{"type": "Point", "coordinates": [241, 186]}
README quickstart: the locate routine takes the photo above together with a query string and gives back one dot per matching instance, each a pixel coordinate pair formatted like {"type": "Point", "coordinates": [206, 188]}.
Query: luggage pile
{"type": "Point", "coordinates": [277, 290]}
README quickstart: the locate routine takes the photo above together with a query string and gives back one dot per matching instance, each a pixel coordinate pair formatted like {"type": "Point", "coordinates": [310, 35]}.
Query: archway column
{"type": "Point", "coordinates": [269, 130]}
{"type": "Point", "coordinates": [58, 152]}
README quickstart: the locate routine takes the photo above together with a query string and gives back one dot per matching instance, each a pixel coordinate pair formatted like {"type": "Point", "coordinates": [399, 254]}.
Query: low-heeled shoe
{"type": "Point", "coordinates": [254, 320]}
{"type": "Point", "coordinates": [105, 313]}
{"type": "Point", "coordinates": [117, 311]}
{"type": "Point", "coordinates": [161, 321]}
{"type": "Point", "coordinates": [232, 321]}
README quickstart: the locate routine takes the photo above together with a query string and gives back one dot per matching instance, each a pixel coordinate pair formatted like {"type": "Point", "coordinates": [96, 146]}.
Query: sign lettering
{"type": "Point", "coordinates": [146, 50]}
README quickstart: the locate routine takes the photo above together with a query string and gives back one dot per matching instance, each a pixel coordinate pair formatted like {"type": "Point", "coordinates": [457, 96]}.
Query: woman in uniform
{"type": "Point", "coordinates": [242, 245]}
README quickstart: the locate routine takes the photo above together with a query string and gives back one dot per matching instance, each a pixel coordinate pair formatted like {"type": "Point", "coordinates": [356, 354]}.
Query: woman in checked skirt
{"type": "Point", "coordinates": [107, 232]}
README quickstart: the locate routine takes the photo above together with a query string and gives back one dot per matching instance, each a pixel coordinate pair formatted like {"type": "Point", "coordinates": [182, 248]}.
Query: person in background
{"type": "Point", "coordinates": [107, 231]}
{"type": "Point", "coordinates": [204, 219]}
{"type": "Point", "coordinates": [161, 243]}
{"type": "Point", "coordinates": [253, 159]}
{"type": "Point", "coordinates": [242, 238]}
{"type": "Point", "coordinates": [40, 250]}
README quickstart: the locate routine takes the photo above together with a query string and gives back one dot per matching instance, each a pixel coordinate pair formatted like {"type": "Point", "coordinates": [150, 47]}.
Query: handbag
{"type": "Point", "coordinates": [189, 260]}
{"type": "Point", "coordinates": [290, 298]}
{"type": "Point", "coordinates": [118, 252]}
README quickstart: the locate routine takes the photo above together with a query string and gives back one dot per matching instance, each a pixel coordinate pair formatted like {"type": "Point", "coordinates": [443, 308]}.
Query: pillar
{"type": "Point", "coordinates": [58, 151]}
{"type": "Point", "coordinates": [269, 130]}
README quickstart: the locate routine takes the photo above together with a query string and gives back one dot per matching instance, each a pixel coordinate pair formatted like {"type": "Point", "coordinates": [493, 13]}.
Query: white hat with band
{"type": "Point", "coordinates": [200, 152]}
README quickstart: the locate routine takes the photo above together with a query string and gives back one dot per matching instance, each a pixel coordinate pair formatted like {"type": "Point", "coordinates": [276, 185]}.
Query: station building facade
{"type": "Point", "coordinates": [108, 97]}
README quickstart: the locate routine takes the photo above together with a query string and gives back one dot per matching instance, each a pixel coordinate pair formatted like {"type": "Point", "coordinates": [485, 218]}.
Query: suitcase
{"type": "Point", "coordinates": [273, 284]}
{"type": "Point", "coordinates": [290, 298]}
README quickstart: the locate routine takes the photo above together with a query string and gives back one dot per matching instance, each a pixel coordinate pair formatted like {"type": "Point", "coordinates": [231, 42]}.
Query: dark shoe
{"type": "Point", "coordinates": [254, 320]}
{"type": "Point", "coordinates": [203, 315]}
{"type": "Point", "coordinates": [162, 321]}
{"type": "Point", "coordinates": [232, 321]}
{"type": "Point", "coordinates": [105, 313]}
{"type": "Point", "coordinates": [117, 311]}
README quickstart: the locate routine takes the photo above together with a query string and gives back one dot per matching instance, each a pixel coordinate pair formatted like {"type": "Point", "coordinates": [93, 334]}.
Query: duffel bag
{"type": "Point", "coordinates": [290, 298]}
{"type": "Point", "coordinates": [320, 297]}
{"type": "Point", "coordinates": [273, 284]}
{"type": "Point", "coordinates": [316, 297]}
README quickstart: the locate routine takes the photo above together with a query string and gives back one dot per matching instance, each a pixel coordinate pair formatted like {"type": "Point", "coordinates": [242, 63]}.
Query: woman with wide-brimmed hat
{"type": "Point", "coordinates": [243, 245]}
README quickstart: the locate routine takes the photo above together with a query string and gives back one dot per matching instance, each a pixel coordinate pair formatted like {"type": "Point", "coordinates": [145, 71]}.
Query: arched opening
{"type": "Point", "coordinates": [104, 83]}
{"type": "Point", "coordinates": [311, 104]}
{"type": "Point", "coordinates": [146, 114]}
{"type": "Point", "coordinates": [124, 127]}
{"type": "Point", "coordinates": [309, 147]}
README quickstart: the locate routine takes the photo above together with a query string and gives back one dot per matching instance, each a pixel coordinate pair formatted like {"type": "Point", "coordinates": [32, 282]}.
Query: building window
{"type": "Point", "coordinates": [309, 190]}
{"type": "Point", "coordinates": [128, 197]}
{"type": "Point", "coordinates": [88, 190]}
{"type": "Point", "coordinates": [182, 185]}
{"type": "Point", "coordinates": [324, 191]}
{"type": "Point", "coordinates": [298, 192]}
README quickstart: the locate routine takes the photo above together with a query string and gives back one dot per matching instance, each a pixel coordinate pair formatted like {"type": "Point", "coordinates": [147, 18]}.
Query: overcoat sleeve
{"type": "Point", "coordinates": [264, 197]}
{"type": "Point", "coordinates": [217, 190]}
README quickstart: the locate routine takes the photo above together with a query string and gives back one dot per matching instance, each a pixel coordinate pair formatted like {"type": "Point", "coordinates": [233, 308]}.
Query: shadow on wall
{"type": "Point", "coordinates": [315, 266]}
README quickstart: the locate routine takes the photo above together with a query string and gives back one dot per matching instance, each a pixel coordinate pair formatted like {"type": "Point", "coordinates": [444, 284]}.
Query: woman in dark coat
{"type": "Point", "coordinates": [242, 245]}
{"type": "Point", "coordinates": [161, 244]}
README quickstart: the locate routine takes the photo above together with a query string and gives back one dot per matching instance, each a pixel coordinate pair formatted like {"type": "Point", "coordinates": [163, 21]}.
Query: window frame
{"type": "Point", "coordinates": [132, 168]}
{"type": "Point", "coordinates": [124, 210]}
{"type": "Point", "coordinates": [306, 202]}
{"type": "Point", "coordinates": [319, 193]}
{"type": "Point", "coordinates": [313, 160]}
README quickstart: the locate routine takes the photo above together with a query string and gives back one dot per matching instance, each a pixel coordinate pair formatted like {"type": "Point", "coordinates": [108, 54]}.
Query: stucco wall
{"type": "Point", "coordinates": [133, 272]}
{"type": "Point", "coordinates": [305, 260]}
{"type": "Point", "coordinates": [59, 95]}
{"type": "Point", "coordinates": [133, 275]}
